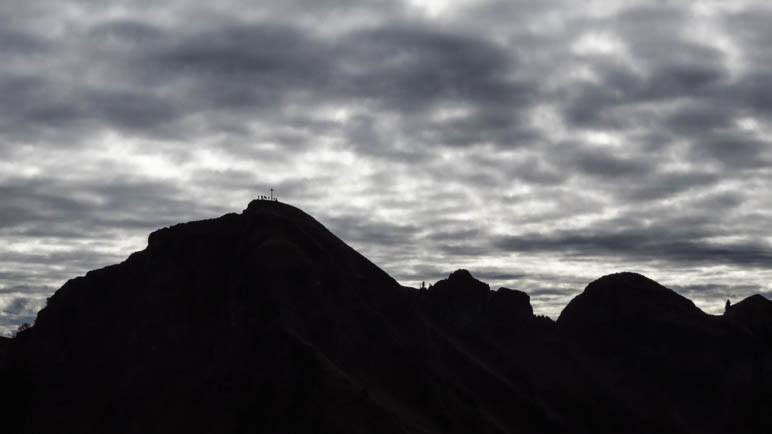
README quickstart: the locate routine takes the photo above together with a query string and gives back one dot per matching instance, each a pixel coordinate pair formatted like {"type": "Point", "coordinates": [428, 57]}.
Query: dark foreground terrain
{"type": "Point", "coordinates": [265, 322]}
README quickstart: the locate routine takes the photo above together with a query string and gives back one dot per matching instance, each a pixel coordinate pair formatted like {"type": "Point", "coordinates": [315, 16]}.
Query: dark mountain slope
{"type": "Point", "coordinates": [5, 343]}
{"type": "Point", "coordinates": [753, 315]}
{"type": "Point", "coordinates": [673, 359]}
{"type": "Point", "coordinates": [214, 324]}
{"type": "Point", "coordinates": [265, 322]}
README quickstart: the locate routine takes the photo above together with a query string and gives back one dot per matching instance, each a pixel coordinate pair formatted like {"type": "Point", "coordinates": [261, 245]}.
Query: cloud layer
{"type": "Point", "coordinates": [540, 144]}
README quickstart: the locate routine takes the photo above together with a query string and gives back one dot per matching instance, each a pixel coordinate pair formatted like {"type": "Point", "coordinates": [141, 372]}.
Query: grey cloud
{"type": "Point", "coordinates": [127, 33]}
{"type": "Point", "coordinates": [750, 30]}
{"type": "Point", "coordinates": [701, 116]}
{"type": "Point", "coordinates": [602, 163]}
{"type": "Point", "coordinates": [17, 306]}
{"type": "Point", "coordinates": [723, 201]}
{"type": "Point", "coordinates": [753, 91]}
{"type": "Point", "coordinates": [648, 244]}
{"type": "Point", "coordinates": [690, 80]}
{"type": "Point", "coordinates": [134, 110]}
{"type": "Point", "coordinates": [461, 249]}
{"type": "Point", "coordinates": [14, 276]}
{"type": "Point", "coordinates": [665, 184]}
{"type": "Point", "coordinates": [547, 292]}
{"type": "Point", "coordinates": [611, 103]}
{"type": "Point", "coordinates": [20, 305]}
{"type": "Point", "coordinates": [717, 291]}
{"type": "Point", "coordinates": [14, 289]}
{"type": "Point", "coordinates": [461, 234]}
{"type": "Point", "coordinates": [276, 57]}
{"type": "Point", "coordinates": [736, 150]}
{"type": "Point", "coordinates": [75, 209]}
{"type": "Point", "coordinates": [165, 77]}
{"type": "Point", "coordinates": [359, 230]}
{"type": "Point", "coordinates": [535, 170]}
{"type": "Point", "coordinates": [17, 42]}
{"type": "Point", "coordinates": [74, 260]}
{"type": "Point", "coordinates": [409, 67]}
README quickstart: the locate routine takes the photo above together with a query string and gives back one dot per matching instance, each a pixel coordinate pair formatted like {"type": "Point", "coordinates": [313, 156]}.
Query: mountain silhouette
{"type": "Point", "coordinates": [753, 314]}
{"type": "Point", "coordinates": [266, 322]}
{"type": "Point", "coordinates": [681, 363]}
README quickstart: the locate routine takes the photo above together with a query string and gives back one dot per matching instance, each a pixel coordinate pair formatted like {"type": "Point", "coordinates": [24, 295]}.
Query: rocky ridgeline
{"type": "Point", "coordinates": [265, 322]}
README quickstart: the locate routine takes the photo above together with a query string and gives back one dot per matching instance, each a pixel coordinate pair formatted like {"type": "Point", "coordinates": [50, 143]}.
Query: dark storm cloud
{"type": "Point", "coordinates": [359, 230]}
{"type": "Point", "coordinates": [610, 103]}
{"type": "Point", "coordinates": [717, 291]}
{"type": "Point", "coordinates": [667, 245]}
{"type": "Point", "coordinates": [24, 290]}
{"type": "Point", "coordinates": [750, 29]}
{"type": "Point", "coordinates": [699, 117]}
{"type": "Point", "coordinates": [276, 59]}
{"type": "Point", "coordinates": [736, 150]}
{"type": "Point", "coordinates": [604, 164]}
{"type": "Point", "coordinates": [410, 68]}
{"type": "Point", "coordinates": [461, 249]}
{"type": "Point", "coordinates": [701, 101]}
{"type": "Point", "coordinates": [162, 77]}
{"type": "Point", "coordinates": [50, 207]}
{"type": "Point", "coordinates": [459, 234]}
{"type": "Point", "coordinates": [78, 261]}
{"type": "Point", "coordinates": [547, 292]}
{"type": "Point", "coordinates": [404, 69]}
{"type": "Point", "coordinates": [665, 184]}
{"type": "Point", "coordinates": [16, 42]}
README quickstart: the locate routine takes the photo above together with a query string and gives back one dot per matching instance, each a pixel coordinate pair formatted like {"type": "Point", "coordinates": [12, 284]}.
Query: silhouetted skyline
{"type": "Point", "coordinates": [540, 144]}
{"type": "Point", "coordinates": [264, 321]}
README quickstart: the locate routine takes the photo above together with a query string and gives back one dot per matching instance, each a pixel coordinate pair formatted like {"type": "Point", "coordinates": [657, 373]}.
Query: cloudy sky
{"type": "Point", "coordinates": [539, 144]}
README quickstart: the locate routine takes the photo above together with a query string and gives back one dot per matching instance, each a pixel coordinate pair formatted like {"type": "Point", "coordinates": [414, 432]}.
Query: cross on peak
{"type": "Point", "coordinates": [272, 197]}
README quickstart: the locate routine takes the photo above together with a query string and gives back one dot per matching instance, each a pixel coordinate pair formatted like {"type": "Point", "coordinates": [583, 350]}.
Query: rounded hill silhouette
{"type": "Point", "coordinates": [625, 298]}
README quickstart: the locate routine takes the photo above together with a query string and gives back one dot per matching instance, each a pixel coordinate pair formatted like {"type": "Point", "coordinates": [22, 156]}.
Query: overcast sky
{"type": "Point", "coordinates": [540, 144]}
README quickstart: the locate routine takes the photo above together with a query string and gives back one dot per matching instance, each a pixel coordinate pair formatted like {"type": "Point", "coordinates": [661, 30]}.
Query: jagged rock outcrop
{"type": "Point", "coordinates": [265, 322]}
{"type": "Point", "coordinates": [462, 299]}
{"type": "Point", "coordinates": [512, 302]}
{"type": "Point", "coordinates": [469, 303]}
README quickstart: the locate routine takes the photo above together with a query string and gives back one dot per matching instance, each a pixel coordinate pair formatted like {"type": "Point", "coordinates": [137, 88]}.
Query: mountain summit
{"type": "Point", "coordinates": [266, 322]}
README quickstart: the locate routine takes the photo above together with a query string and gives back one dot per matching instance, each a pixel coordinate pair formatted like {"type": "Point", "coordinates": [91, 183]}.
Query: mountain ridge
{"type": "Point", "coordinates": [265, 321]}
